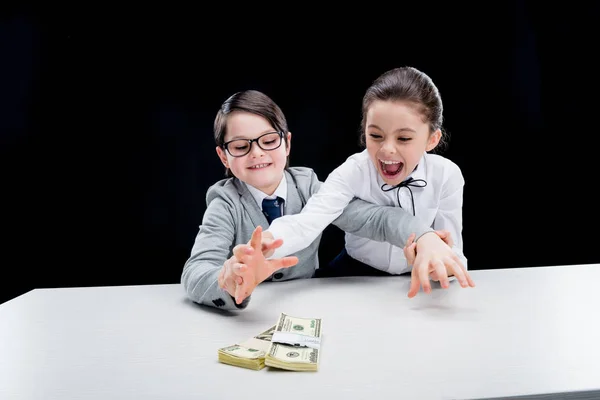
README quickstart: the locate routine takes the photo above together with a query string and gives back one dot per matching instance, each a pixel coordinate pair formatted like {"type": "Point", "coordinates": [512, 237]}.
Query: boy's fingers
{"type": "Point", "coordinates": [445, 236]}
{"type": "Point", "coordinates": [270, 244]}
{"type": "Point", "coordinates": [410, 252]}
{"type": "Point", "coordinates": [256, 238]}
{"type": "Point", "coordinates": [241, 292]}
{"type": "Point", "coordinates": [242, 250]}
{"type": "Point", "coordinates": [238, 294]}
{"type": "Point", "coordinates": [285, 262]}
{"type": "Point", "coordinates": [239, 269]}
{"type": "Point", "coordinates": [220, 279]}
{"type": "Point", "coordinates": [230, 286]}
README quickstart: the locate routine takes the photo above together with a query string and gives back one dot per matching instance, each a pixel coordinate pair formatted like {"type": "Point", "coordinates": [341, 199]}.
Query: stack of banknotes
{"type": "Point", "coordinates": [293, 344]}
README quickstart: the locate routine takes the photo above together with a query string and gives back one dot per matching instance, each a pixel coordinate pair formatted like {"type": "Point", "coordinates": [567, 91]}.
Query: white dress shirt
{"type": "Point", "coordinates": [439, 204]}
{"type": "Point", "coordinates": [259, 195]}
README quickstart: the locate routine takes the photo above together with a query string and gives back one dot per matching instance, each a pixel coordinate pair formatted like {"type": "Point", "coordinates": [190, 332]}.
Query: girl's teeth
{"type": "Point", "coordinates": [391, 167]}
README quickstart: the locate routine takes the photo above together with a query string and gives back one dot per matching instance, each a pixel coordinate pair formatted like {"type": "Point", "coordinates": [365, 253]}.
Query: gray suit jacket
{"type": "Point", "coordinates": [232, 214]}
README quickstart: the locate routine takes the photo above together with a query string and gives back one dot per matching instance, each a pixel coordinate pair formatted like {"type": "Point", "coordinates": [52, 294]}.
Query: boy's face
{"type": "Point", "coordinates": [259, 168]}
{"type": "Point", "coordinates": [396, 138]}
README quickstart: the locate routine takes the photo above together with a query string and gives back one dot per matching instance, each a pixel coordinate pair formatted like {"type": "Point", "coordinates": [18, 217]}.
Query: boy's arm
{"type": "Point", "coordinates": [449, 215]}
{"type": "Point", "coordinates": [380, 223]}
{"type": "Point", "coordinates": [211, 249]}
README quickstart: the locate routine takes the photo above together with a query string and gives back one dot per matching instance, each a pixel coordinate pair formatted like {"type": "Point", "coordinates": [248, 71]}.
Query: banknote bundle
{"type": "Point", "coordinates": [293, 344]}
{"type": "Point", "coordinates": [250, 353]}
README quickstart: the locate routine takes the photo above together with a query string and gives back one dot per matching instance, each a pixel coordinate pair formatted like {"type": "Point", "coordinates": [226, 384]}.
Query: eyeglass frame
{"type": "Point", "coordinates": [281, 135]}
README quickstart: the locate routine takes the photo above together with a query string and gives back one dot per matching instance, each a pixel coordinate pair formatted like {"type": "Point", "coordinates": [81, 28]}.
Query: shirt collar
{"type": "Point", "coordinates": [259, 196]}
{"type": "Point", "coordinates": [420, 171]}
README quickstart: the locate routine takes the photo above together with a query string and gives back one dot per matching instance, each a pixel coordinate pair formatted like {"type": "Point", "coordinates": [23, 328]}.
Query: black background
{"type": "Point", "coordinates": [106, 146]}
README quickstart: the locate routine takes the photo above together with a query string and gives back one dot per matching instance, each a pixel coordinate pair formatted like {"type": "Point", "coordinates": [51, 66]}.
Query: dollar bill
{"type": "Point", "coordinates": [250, 353]}
{"type": "Point", "coordinates": [295, 344]}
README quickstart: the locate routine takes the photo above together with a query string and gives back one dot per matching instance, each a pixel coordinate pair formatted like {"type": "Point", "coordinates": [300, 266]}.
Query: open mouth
{"type": "Point", "coordinates": [259, 166]}
{"type": "Point", "coordinates": [391, 169]}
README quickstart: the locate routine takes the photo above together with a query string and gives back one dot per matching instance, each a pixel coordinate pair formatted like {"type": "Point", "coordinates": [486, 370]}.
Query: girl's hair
{"type": "Point", "coordinates": [406, 84]}
{"type": "Point", "coordinates": [250, 101]}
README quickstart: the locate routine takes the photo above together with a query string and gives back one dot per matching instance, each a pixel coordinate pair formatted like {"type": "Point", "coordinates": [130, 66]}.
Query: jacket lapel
{"type": "Point", "coordinates": [254, 211]}
{"type": "Point", "coordinates": [293, 203]}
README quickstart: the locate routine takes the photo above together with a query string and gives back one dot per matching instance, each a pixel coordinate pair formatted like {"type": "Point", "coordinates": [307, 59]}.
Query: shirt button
{"type": "Point", "coordinates": [278, 275]}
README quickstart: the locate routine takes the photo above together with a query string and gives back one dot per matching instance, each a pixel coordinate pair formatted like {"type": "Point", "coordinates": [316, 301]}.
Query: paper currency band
{"type": "Point", "coordinates": [294, 339]}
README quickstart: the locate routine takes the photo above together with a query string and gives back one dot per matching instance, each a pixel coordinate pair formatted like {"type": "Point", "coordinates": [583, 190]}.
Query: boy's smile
{"type": "Point", "coordinates": [259, 168]}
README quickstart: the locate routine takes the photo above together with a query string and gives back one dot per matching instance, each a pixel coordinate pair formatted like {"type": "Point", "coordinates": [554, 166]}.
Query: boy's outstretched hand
{"type": "Point", "coordinates": [254, 267]}
{"type": "Point", "coordinates": [228, 277]}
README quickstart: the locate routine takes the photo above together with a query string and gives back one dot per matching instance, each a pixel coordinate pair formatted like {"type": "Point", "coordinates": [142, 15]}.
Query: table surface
{"type": "Point", "coordinates": [520, 332]}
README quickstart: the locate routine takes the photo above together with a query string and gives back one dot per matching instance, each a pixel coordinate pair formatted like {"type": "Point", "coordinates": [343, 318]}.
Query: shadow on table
{"type": "Point", "coordinates": [209, 309]}
{"type": "Point", "coordinates": [250, 314]}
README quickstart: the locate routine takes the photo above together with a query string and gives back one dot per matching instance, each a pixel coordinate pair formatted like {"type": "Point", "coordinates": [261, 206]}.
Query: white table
{"type": "Point", "coordinates": [519, 332]}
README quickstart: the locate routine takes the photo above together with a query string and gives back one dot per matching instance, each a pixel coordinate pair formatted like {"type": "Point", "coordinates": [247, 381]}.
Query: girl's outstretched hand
{"type": "Point", "coordinates": [432, 257]}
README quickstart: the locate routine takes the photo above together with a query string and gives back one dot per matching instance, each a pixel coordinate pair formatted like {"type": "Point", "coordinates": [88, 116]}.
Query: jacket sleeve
{"type": "Point", "coordinates": [212, 247]}
{"type": "Point", "coordinates": [373, 221]}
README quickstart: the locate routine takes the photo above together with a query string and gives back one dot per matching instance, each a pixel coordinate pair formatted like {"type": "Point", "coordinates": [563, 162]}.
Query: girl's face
{"type": "Point", "coordinates": [260, 168]}
{"type": "Point", "coordinates": [396, 137]}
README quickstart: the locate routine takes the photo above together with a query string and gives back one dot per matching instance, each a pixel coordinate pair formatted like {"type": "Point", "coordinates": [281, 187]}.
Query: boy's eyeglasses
{"type": "Point", "coordinates": [240, 147]}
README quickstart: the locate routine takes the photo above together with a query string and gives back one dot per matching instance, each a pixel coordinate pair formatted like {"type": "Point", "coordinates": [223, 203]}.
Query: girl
{"type": "Point", "coordinates": [401, 123]}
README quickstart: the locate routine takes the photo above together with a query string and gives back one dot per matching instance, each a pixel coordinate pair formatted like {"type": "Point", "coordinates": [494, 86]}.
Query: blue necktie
{"type": "Point", "coordinates": [272, 208]}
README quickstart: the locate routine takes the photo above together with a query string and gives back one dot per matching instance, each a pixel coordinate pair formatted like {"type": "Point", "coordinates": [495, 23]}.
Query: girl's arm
{"type": "Point", "coordinates": [300, 230]}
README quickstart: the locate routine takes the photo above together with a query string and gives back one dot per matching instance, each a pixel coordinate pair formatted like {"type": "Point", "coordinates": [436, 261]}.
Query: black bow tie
{"type": "Point", "coordinates": [407, 184]}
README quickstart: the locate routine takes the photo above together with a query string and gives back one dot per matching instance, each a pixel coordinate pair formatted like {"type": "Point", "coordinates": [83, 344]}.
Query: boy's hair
{"type": "Point", "coordinates": [409, 85]}
{"type": "Point", "coordinates": [251, 101]}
